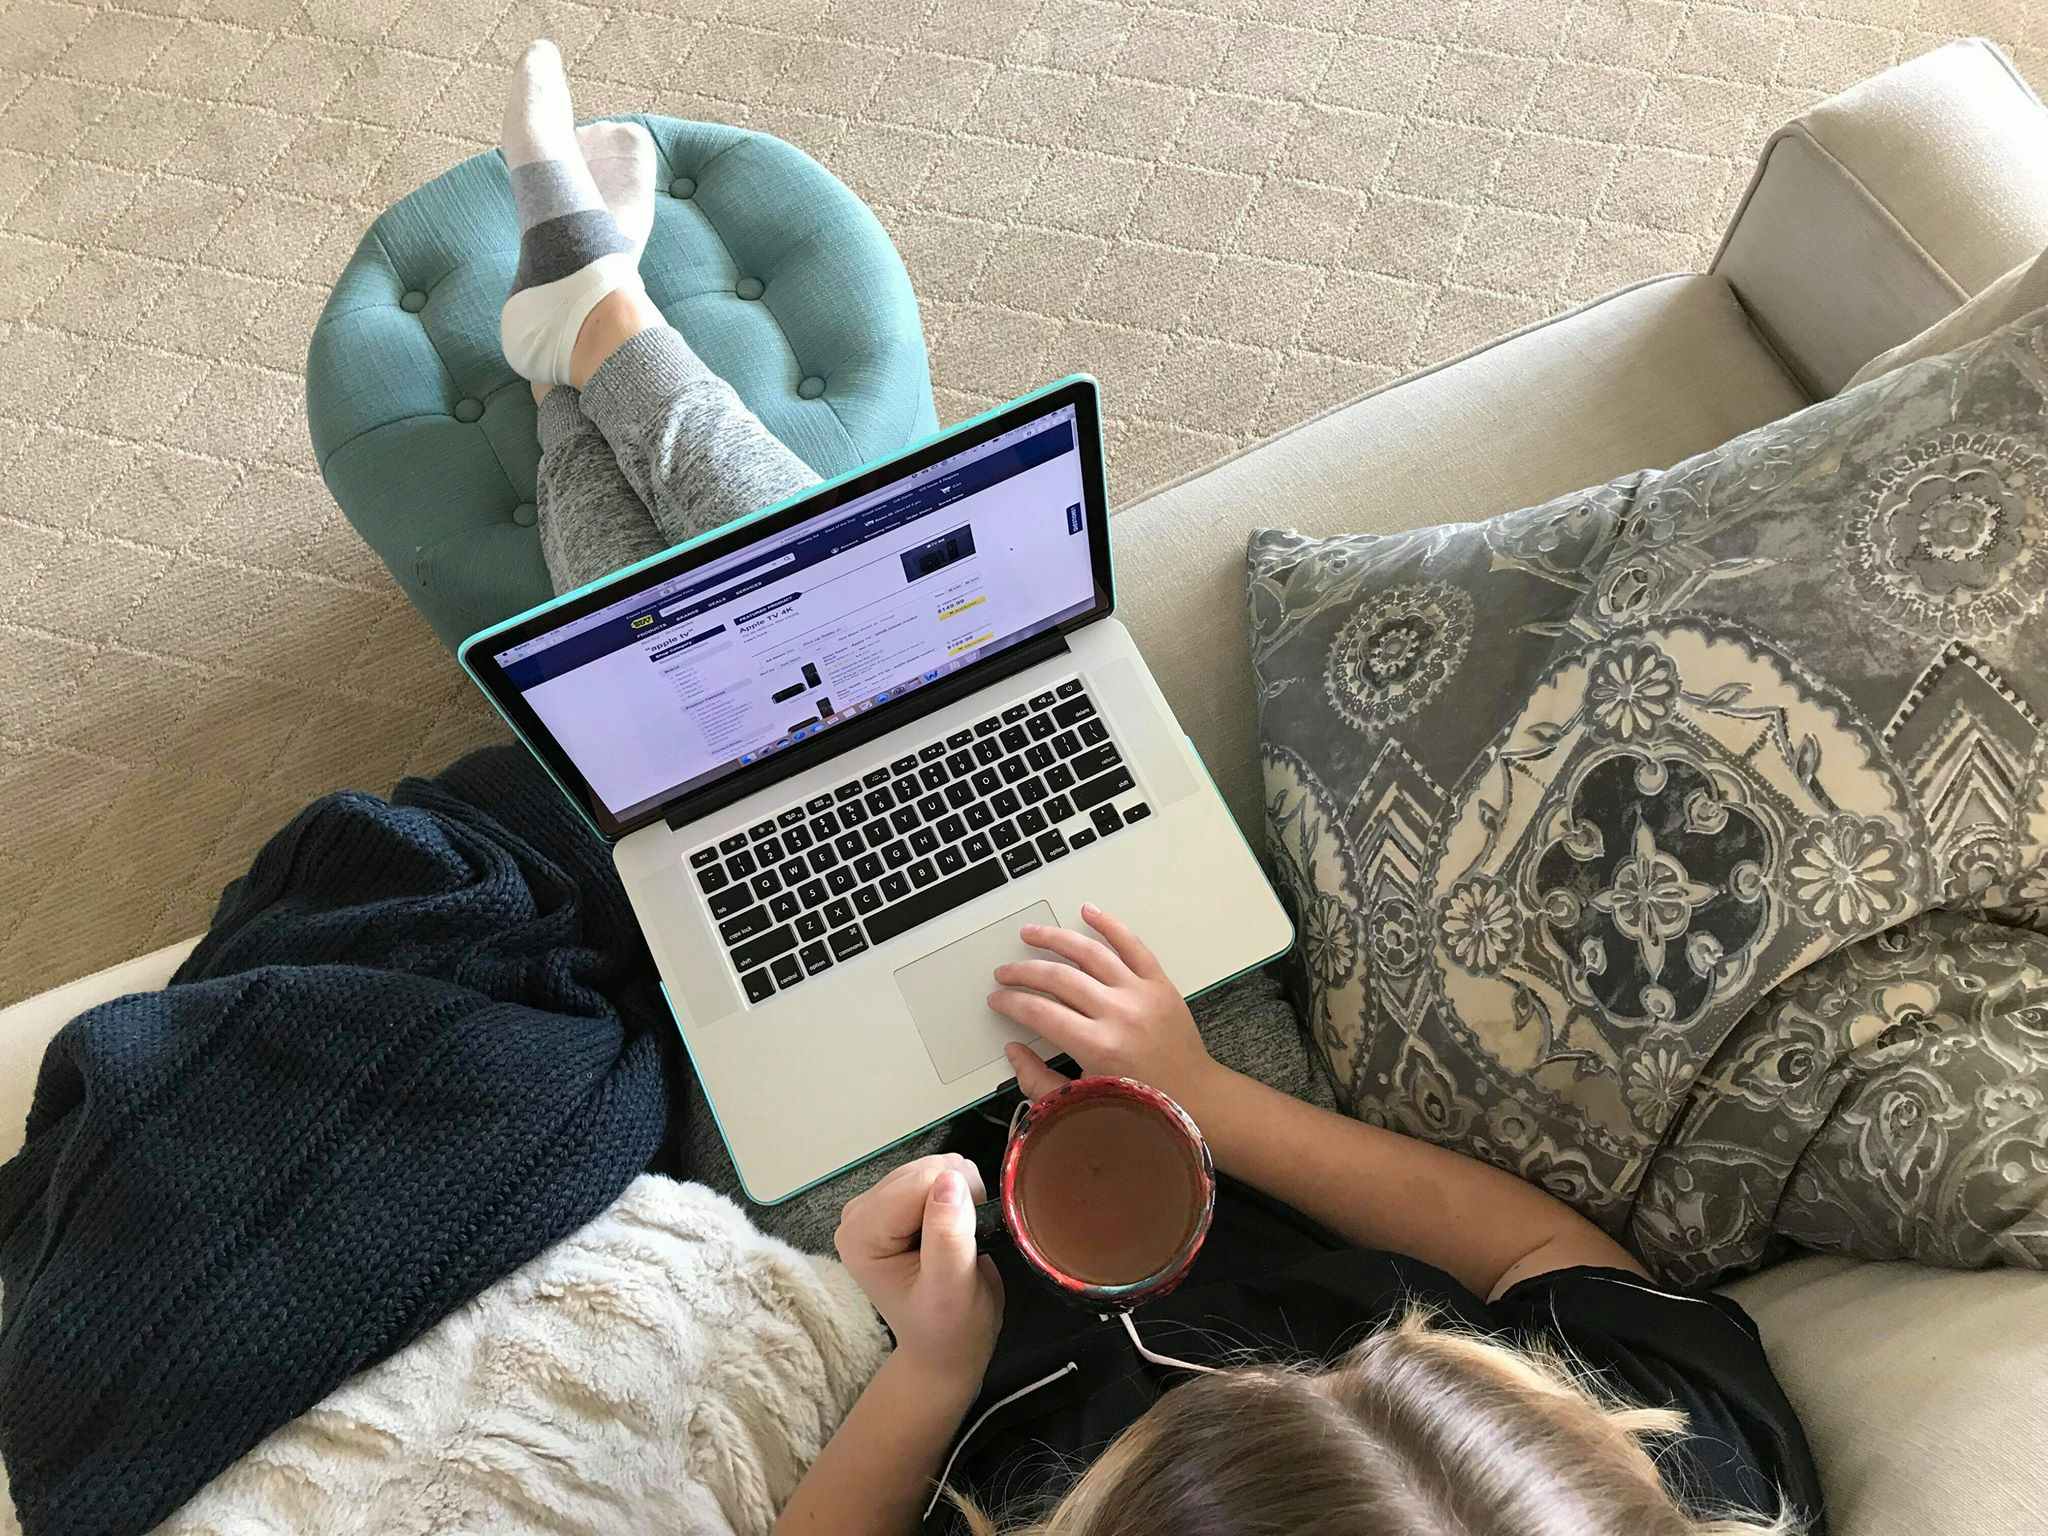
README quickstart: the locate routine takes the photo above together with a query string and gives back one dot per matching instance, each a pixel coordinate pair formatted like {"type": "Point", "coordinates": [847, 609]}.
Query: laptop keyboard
{"type": "Point", "coordinates": [824, 880]}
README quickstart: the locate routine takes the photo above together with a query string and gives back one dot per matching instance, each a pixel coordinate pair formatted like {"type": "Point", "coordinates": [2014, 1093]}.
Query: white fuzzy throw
{"type": "Point", "coordinates": [667, 1369]}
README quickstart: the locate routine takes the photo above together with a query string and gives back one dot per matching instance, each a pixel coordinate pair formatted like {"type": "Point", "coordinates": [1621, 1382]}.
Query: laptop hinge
{"type": "Point", "coordinates": [843, 738]}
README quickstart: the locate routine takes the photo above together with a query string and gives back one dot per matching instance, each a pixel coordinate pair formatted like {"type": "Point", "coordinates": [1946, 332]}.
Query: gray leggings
{"type": "Point", "coordinates": [657, 450]}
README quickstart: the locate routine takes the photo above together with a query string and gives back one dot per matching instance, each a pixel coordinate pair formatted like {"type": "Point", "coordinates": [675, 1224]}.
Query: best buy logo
{"type": "Point", "coordinates": [643, 621]}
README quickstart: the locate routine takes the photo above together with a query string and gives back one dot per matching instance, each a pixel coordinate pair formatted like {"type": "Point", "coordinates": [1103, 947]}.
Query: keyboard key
{"type": "Point", "coordinates": [1013, 769]}
{"type": "Point", "coordinates": [896, 886]}
{"type": "Point", "coordinates": [932, 752]}
{"type": "Point", "coordinates": [797, 839]}
{"type": "Point", "coordinates": [874, 777]}
{"type": "Point", "coordinates": [987, 727]}
{"type": "Point", "coordinates": [768, 851]}
{"type": "Point", "coordinates": [943, 896]}
{"type": "Point", "coordinates": [849, 844]}
{"type": "Point", "coordinates": [1041, 700]}
{"type": "Point", "coordinates": [712, 879]}
{"type": "Point", "coordinates": [1032, 822]}
{"type": "Point", "coordinates": [924, 840]}
{"type": "Point", "coordinates": [1015, 713]}
{"type": "Point", "coordinates": [1052, 846]}
{"type": "Point", "coordinates": [1058, 777]}
{"type": "Point", "coordinates": [1014, 739]}
{"type": "Point", "coordinates": [1040, 727]}
{"type": "Point", "coordinates": [904, 819]}
{"type": "Point", "coordinates": [1021, 860]}
{"type": "Point", "coordinates": [986, 782]}
{"type": "Point", "coordinates": [897, 854]}
{"type": "Point", "coordinates": [854, 812]}
{"type": "Point", "coordinates": [702, 857]}
{"type": "Point", "coordinates": [1106, 819]}
{"type": "Point", "coordinates": [1040, 756]}
{"type": "Point", "coordinates": [734, 843]}
{"type": "Point", "coordinates": [789, 818]}
{"type": "Point", "coordinates": [766, 884]}
{"type": "Point", "coordinates": [824, 825]}
{"type": "Point", "coordinates": [866, 900]}
{"type": "Point", "coordinates": [879, 802]}
{"type": "Point", "coordinates": [1003, 834]}
{"type": "Point", "coordinates": [822, 859]}
{"type": "Point", "coordinates": [906, 791]}
{"type": "Point", "coordinates": [759, 987]}
{"type": "Point", "coordinates": [838, 912]}
{"type": "Point", "coordinates": [759, 830]}
{"type": "Point", "coordinates": [812, 926]}
{"type": "Point", "coordinates": [879, 833]}
{"type": "Point", "coordinates": [846, 792]}
{"type": "Point", "coordinates": [848, 942]}
{"type": "Point", "coordinates": [959, 795]}
{"type": "Point", "coordinates": [1082, 838]}
{"type": "Point", "coordinates": [1032, 790]}
{"type": "Point", "coordinates": [794, 872]}
{"type": "Point", "coordinates": [1004, 802]}
{"type": "Point", "coordinates": [816, 804]}
{"type": "Point", "coordinates": [1096, 760]}
{"type": "Point", "coordinates": [730, 901]}
{"type": "Point", "coordinates": [868, 866]}
{"type": "Point", "coordinates": [986, 751]}
{"type": "Point", "coordinates": [959, 739]}
{"type": "Point", "coordinates": [1101, 788]}
{"type": "Point", "coordinates": [979, 814]}
{"type": "Point", "coordinates": [740, 865]}
{"type": "Point", "coordinates": [784, 906]}
{"type": "Point", "coordinates": [812, 893]}
{"type": "Point", "coordinates": [949, 859]}
{"type": "Point", "coordinates": [906, 764]}
{"type": "Point", "coordinates": [1069, 688]}
{"type": "Point", "coordinates": [786, 970]}
{"type": "Point", "coordinates": [933, 775]}
{"type": "Point", "coordinates": [816, 958]}
{"type": "Point", "coordinates": [952, 828]}
{"type": "Point", "coordinates": [921, 874]}
{"type": "Point", "coordinates": [1137, 812]}
{"type": "Point", "coordinates": [1058, 808]}
{"type": "Point", "coordinates": [1093, 731]}
{"type": "Point", "coordinates": [960, 764]}
{"type": "Point", "coordinates": [1073, 712]}
{"type": "Point", "coordinates": [759, 951]}
{"type": "Point", "coordinates": [976, 847]}
{"type": "Point", "coordinates": [1066, 743]}
{"type": "Point", "coordinates": [932, 807]}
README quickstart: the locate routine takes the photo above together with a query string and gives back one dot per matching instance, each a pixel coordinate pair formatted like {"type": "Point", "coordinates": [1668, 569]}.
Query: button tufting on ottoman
{"type": "Point", "coordinates": [777, 274]}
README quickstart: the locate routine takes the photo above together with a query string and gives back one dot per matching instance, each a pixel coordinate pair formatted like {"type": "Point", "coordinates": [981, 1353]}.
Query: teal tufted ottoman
{"type": "Point", "coordinates": [777, 274]}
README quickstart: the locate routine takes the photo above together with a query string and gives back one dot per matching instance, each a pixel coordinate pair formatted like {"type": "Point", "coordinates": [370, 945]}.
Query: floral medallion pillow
{"type": "Point", "coordinates": [1559, 798]}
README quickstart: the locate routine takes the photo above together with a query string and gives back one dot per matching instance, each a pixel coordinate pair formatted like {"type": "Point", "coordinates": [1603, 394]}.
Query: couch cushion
{"type": "Point", "coordinates": [1645, 376]}
{"type": "Point", "coordinates": [2019, 292]}
{"type": "Point", "coordinates": [1924, 1392]}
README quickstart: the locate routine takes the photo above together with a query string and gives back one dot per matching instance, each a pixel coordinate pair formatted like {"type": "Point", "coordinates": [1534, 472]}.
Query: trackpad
{"type": "Point", "coordinates": [948, 994]}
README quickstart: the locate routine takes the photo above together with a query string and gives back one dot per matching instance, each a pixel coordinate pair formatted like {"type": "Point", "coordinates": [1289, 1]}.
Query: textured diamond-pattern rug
{"type": "Point", "coordinates": [1232, 212]}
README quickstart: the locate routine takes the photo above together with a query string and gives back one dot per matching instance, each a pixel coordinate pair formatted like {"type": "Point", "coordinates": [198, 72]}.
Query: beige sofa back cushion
{"type": "Point", "coordinates": [2019, 292]}
{"type": "Point", "coordinates": [1920, 1390]}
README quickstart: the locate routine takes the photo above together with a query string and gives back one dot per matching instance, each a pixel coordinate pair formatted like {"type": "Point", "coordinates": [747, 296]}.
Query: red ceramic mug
{"type": "Point", "coordinates": [1107, 1191]}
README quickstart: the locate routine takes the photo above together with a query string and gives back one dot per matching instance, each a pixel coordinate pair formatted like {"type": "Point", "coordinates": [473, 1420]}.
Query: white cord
{"type": "Point", "coordinates": [961, 1444]}
{"type": "Point", "coordinates": [1166, 1360]}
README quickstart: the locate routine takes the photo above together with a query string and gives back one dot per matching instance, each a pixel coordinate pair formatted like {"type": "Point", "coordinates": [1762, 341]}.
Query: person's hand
{"type": "Point", "coordinates": [909, 1242]}
{"type": "Point", "coordinates": [1109, 1006]}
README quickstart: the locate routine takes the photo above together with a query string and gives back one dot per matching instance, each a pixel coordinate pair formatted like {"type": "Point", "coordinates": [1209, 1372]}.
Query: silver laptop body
{"type": "Point", "coordinates": [846, 747]}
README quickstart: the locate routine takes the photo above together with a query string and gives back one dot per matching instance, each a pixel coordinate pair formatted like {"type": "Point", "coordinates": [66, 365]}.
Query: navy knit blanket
{"type": "Point", "coordinates": [421, 1043]}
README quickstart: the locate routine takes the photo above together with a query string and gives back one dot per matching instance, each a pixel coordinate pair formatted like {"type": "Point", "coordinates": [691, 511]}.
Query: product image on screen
{"type": "Point", "coordinates": [686, 682]}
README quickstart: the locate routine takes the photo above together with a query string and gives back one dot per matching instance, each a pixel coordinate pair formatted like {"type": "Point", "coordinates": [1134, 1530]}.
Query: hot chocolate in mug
{"type": "Point", "coordinates": [1107, 1191]}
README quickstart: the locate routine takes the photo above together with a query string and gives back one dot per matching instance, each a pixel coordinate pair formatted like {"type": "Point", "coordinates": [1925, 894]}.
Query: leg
{"type": "Point", "coordinates": [697, 456]}
{"type": "Point", "coordinates": [591, 520]}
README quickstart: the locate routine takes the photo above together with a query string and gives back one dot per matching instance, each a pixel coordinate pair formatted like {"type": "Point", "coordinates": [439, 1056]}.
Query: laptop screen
{"type": "Point", "coordinates": [683, 683]}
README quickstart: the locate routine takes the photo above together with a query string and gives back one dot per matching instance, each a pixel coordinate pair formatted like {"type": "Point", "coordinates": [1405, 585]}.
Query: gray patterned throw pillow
{"type": "Point", "coordinates": [1561, 800]}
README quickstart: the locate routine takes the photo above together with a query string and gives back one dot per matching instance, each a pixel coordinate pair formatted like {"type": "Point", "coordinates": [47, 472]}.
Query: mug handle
{"type": "Point", "coordinates": [989, 1231]}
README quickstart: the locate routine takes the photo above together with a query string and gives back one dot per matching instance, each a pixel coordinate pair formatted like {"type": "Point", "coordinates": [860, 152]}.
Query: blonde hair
{"type": "Point", "coordinates": [1419, 1431]}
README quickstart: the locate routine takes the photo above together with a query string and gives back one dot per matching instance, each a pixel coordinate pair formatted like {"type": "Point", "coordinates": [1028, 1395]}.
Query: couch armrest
{"type": "Point", "coordinates": [1880, 210]}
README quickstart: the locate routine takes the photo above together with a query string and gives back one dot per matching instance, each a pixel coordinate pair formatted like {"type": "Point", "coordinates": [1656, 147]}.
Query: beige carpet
{"type": "Point", "coordinates": [1233, 212]}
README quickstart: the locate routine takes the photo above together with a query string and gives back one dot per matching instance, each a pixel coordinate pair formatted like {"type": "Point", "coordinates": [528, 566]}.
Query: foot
{"type": "Point", "coordinates": [572, 252]}
{"type": "Point", "coordinates": [621, 161]}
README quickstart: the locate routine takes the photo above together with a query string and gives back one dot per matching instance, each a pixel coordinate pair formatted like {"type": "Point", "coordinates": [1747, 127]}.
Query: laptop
{"type": "Point", "coordinates": [844, 748]}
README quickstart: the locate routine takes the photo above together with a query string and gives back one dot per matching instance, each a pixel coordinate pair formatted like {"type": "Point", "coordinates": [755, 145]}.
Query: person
{"type": "Point", "coordinates": [1380, 1336]}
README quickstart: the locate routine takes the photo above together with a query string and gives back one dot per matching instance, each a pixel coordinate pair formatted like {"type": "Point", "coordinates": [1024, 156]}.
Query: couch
{"type": "Point", "coordinates": [1873, 216]}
